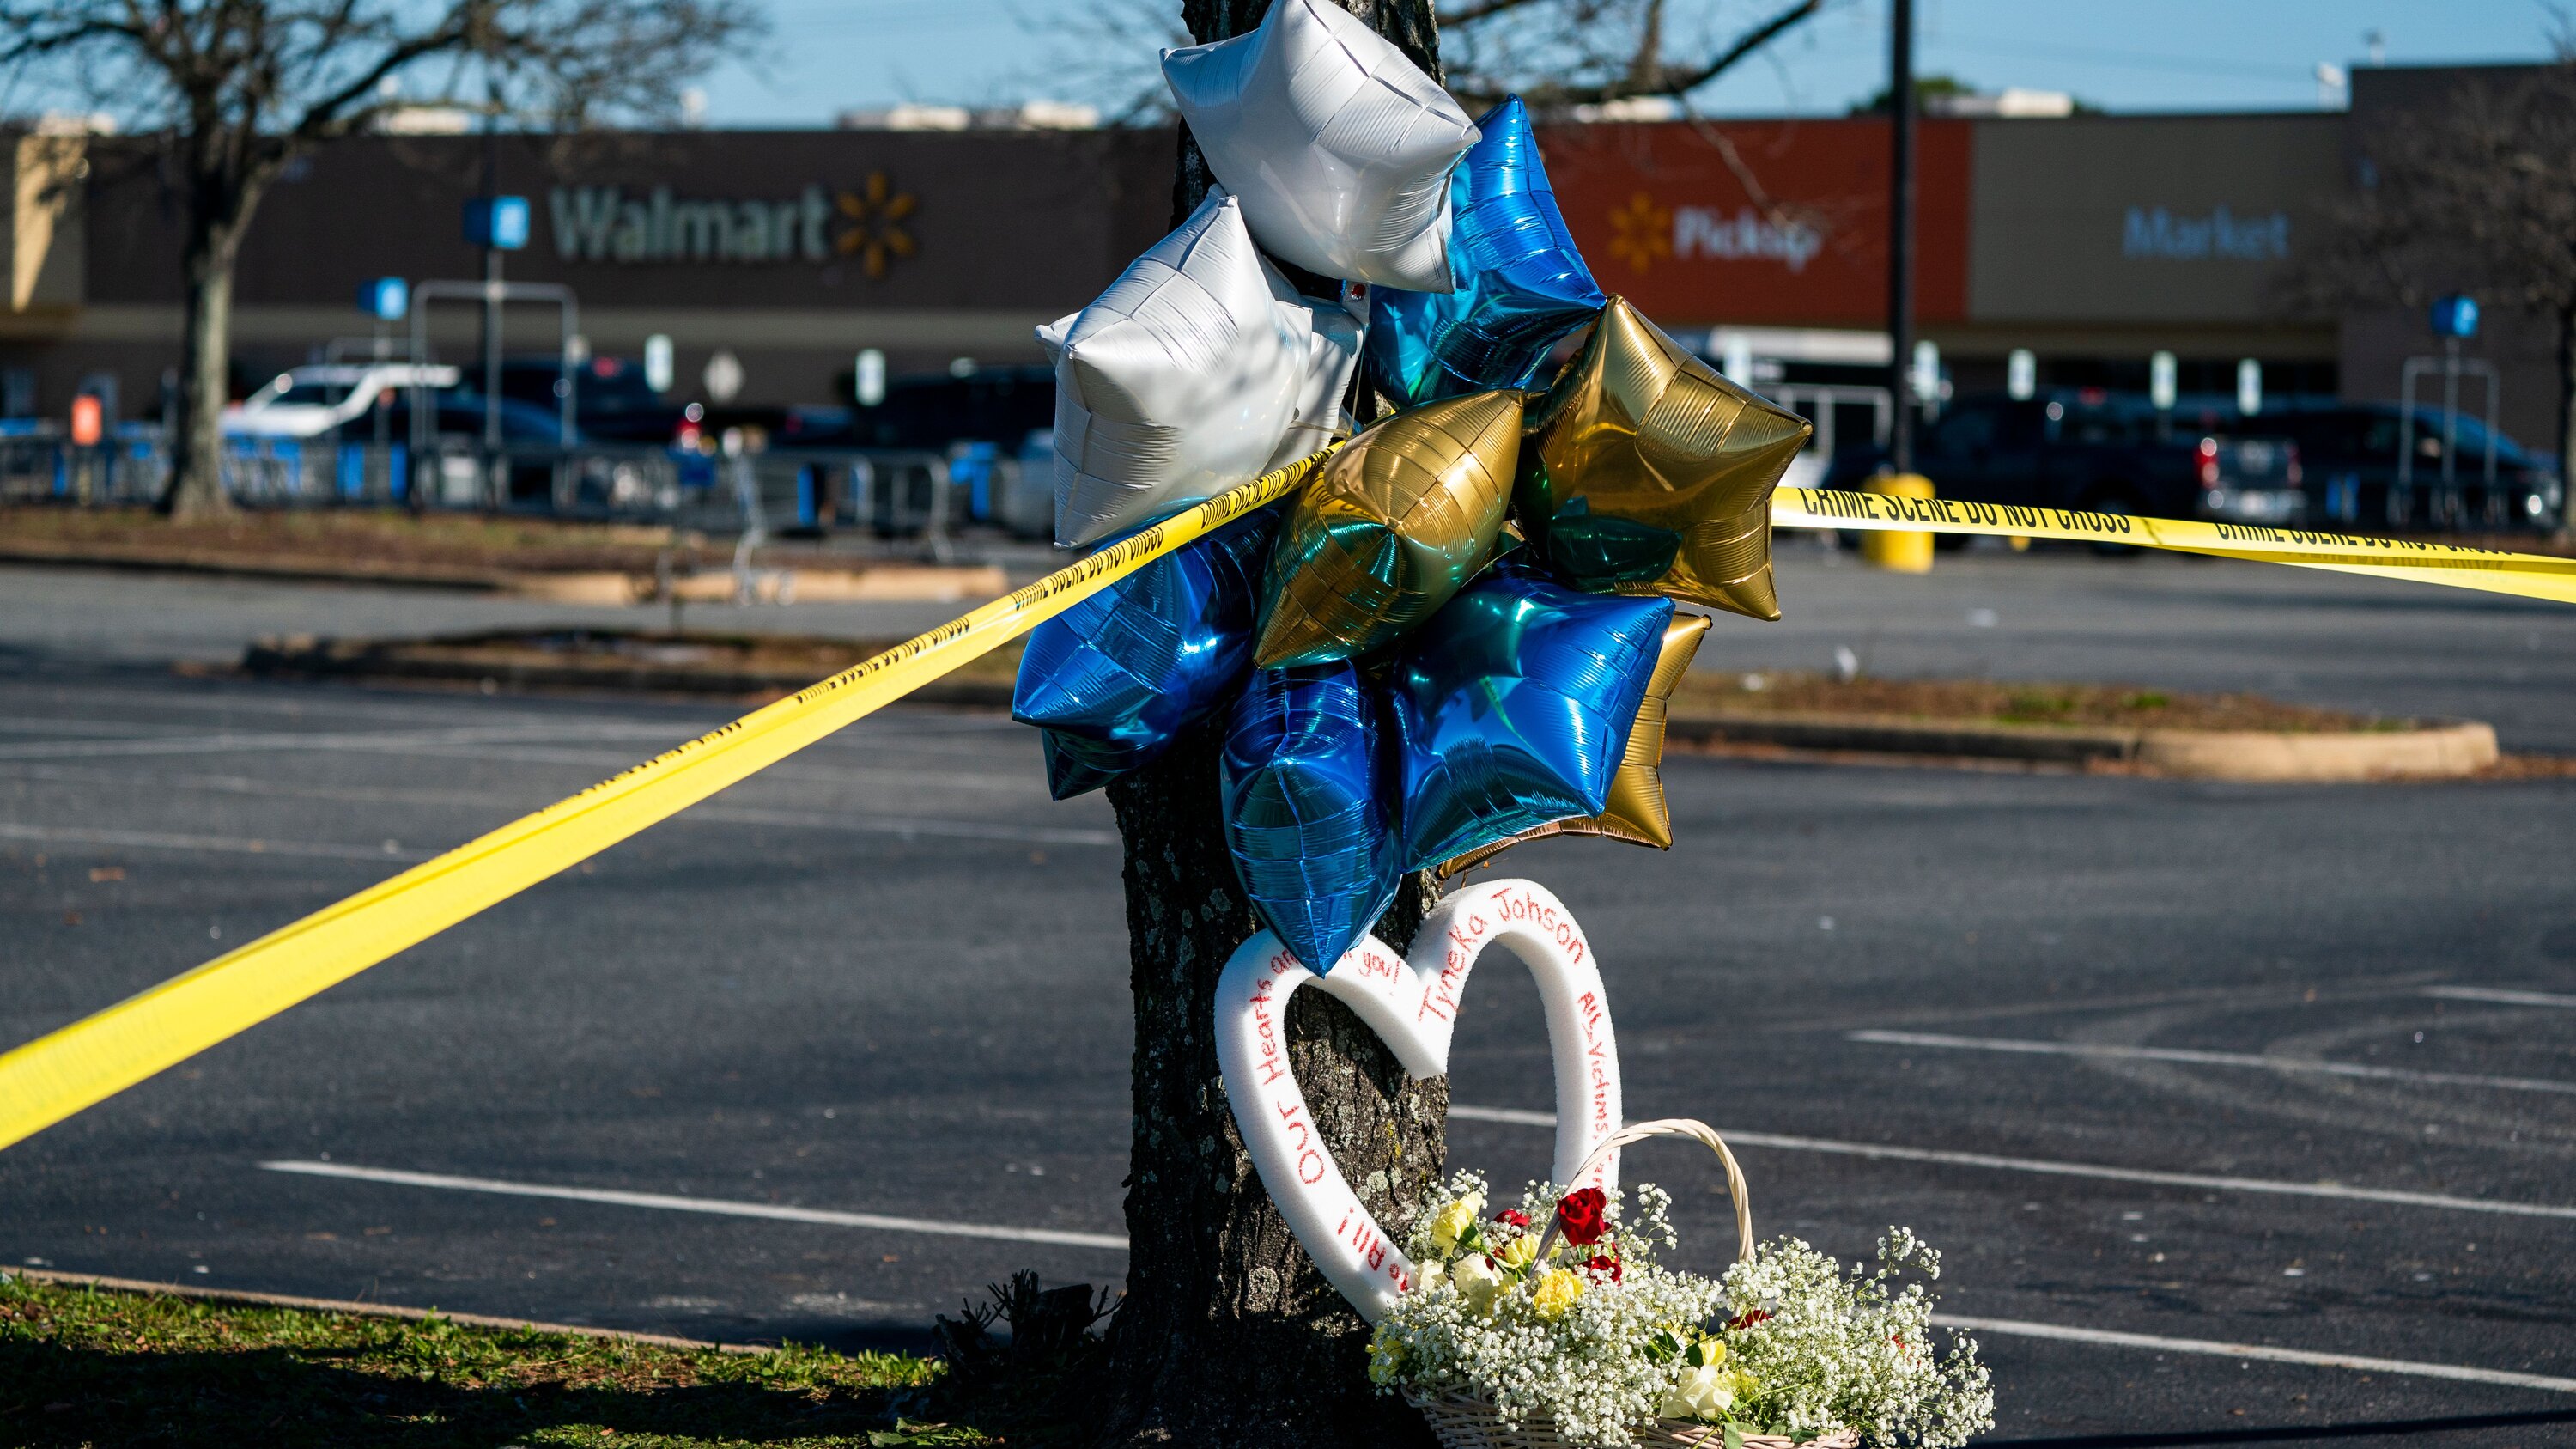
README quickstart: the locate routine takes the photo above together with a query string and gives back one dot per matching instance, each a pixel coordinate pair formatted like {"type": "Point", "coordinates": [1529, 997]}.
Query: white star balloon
{"type": "Point", "coordinates": [1332, 355]}
{"type": "Point", "coordinates": [1197, 370]}
{"type": "Point", "coordinates": [1339, 146]}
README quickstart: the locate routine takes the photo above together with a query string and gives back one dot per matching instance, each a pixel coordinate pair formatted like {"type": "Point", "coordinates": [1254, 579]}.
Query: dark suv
{"type": "Point", "coordinates": [2351, 452]}
{"type": "Point", "coordinates": [2106, 452]}
{"type": "Point", "coordinates": [611, 400]}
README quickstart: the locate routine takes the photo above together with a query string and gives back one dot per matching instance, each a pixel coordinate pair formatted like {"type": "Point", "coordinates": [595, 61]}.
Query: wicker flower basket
{"type": "Point", "coordinates": [1463, 1421]}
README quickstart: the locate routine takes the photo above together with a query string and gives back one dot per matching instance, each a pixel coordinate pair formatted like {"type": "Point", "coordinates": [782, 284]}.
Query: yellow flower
{"type": "Point", "coordinates": [1517, 1253]}
{"type": "Point", "coordinates": [1430, 1275]}
{"type": "Point", "coordinates": [1712, 1352]}
{"type": "Point", "coordinates": [1452, 1221]}
{"type": "Point", "coordinates": [1557, 1290]}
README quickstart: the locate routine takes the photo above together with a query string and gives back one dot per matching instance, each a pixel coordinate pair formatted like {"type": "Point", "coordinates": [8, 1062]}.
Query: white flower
{"type": "Point", "coordinates": [1843, 1349]}
{"type": "Point", "coordinates": [1704, 1392]}
{"type": "Point", "coordinates": [1430, 1275]}
{"type": "Point", "coordinates": [1476, 1279]}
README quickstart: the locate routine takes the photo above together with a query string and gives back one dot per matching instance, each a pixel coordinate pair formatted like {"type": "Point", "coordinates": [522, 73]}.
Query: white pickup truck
{"type": "Point", "coordinates": [310, 401]}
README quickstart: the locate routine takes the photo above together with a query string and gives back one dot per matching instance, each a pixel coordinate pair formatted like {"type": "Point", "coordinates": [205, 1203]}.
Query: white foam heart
{"type": "Point", "coordinates": [1413, 1005]}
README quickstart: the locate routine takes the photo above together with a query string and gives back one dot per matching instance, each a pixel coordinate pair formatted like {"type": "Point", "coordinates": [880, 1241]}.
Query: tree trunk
{"type": "Point", "coordinates": [205, 373]}
{"type": "Point", "coordinates": [1228, 1335]}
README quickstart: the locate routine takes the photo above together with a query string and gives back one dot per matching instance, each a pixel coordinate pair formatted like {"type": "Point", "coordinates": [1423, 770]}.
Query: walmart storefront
{"type": "Point", "coordinates": [2092, 241]}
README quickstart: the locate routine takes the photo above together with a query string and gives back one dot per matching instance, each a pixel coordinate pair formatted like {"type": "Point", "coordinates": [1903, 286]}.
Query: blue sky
{"type": "Point", "coordinates": [2127, 55]}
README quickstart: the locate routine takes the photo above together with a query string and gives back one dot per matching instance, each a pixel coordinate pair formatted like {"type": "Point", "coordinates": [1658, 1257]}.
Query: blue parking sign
{"type": "Point", "coordinates": [500, 222]}
{"type": "Point", "coordinates": [2456, 316]}
{"type": "Point", "coordinates": [387, 299]}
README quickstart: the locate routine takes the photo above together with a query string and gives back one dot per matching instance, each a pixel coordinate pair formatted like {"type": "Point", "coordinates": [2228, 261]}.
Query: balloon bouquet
{"type": "Point", "coordinates": [1461, 632]}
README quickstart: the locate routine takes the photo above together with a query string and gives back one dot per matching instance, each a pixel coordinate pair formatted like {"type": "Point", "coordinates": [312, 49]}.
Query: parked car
{"type": "Point", "coordinates": [459, 414]}
{"type": "Point", "coordinates": [996, 405]}
{"type": "Point", "coordinates": [306, 402]}
{"type": "Point", "coordinates": [2103, 452]}
{"type": "Point", "coordinates": [2351, 453]}
{"type": "Point", "coordinates": [611, 400]}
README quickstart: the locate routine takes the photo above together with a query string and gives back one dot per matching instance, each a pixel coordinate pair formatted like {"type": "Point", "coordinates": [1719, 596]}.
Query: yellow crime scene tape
{"type": "Point", "coordinates": [2532, 576]}
{"type": "Point", "coordinates": [57, 1075]}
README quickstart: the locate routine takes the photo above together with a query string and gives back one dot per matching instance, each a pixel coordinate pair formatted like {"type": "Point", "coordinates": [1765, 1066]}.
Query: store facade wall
{"type": "Point", "coordinates": [2100, 240]}
{"type": "Point", "coordinates": [792, 250]}
{"type": "Point", "coordinates": [2094, 241]}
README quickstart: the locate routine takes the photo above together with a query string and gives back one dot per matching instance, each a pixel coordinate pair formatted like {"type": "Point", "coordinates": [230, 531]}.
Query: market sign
{"type": "Point", "coordinates": [611, 224]}
{"type": "Point", "coordinates": [2157, 234]}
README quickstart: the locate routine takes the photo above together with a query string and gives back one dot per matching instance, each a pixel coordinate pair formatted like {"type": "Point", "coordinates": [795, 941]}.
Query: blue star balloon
{"type": "Point", "coordinates": [1115, 677]}
{"type": "Point", "coordinates": [1305, 817]}
{"type": "Point", "coordinates": [1520, 284]}
{"type": "Point", "coordinates": [1512, 709]}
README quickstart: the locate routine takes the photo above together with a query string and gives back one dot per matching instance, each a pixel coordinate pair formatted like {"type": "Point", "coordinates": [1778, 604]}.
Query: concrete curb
{"type": "Point", "coordinates": [2436, 750]}
{"type": "Point", "coordinates": [893, 582]}
{"type": "Point", "coordinates": [303, 656]}
{"type": "Point", "coordinates": [247, 1299]}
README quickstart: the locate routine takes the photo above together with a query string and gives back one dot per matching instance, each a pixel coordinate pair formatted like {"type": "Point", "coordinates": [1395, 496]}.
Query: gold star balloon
{"type": "Point", "coordinates": [1637, 812]}
{"type": "Point", "coordinates": [1400, 519]}
{"type": "Point", "coordinates": [1644, 472]}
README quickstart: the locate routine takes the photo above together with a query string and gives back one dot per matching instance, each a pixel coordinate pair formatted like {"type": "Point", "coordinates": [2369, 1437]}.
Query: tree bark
{"type": "Point", "coordinates": [1228, 1335]}
{"type": "Point", "coordinates": [215, 230]}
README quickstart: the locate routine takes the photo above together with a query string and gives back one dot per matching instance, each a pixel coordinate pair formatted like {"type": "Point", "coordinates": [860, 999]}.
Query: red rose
{"type": "Point", "coordinates": [1513, 1216]}
{"type": "Point", "coordinates": [1605, 1264]}
{"type": "Point", "coordinates": [1578, 1215]}
{"type": "Point", "coordinates": [1749, 1318]}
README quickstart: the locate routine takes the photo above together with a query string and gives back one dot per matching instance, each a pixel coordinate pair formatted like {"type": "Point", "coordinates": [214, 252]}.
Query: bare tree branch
{"type": "Point", "coordinates": [235, 90]}
{"type": "Point", "coordinates": [1556, 54]}
{"type": "Point", "coordinates": [1466, 15]}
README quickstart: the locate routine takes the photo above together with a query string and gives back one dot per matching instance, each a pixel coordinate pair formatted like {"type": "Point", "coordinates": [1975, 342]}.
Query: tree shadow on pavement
{"type": "Point", "coordinates": [54, 1396]}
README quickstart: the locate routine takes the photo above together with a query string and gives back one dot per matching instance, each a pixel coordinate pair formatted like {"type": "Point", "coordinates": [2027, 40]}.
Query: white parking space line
{"type": "Point", "coordinates": [1113, 1242]}
{"type": "Point", "coordinates": [901, 829]}
{"type": "Point", "coordinates": [716, 1206]}
{"type": "Point", "coordinates": [887, 825]}
{"type": "Point", "coordinates": [2203, 1181]}
{"type": "Point", "coordinates": [2460, 1373]}
{"type": "Point", "coordinates": [2207, 1059]}
{"type": "Point", "coordinates": [233, 743]}
{"type": "Point", "coordinates": [284, 788]}
{"type": "Point", "coordinates": [218, 844]}
{"type": "Point", "coordinates": [2499, 996]}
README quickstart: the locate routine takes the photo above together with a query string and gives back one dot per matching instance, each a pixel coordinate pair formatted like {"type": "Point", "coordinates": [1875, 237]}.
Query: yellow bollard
{"type": "Point", "coordinates": [1904, 552]}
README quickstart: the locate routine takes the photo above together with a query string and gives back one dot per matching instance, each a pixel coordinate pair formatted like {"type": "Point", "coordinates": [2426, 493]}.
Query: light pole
{"type": "Point", "coordinates": [1900, 233]}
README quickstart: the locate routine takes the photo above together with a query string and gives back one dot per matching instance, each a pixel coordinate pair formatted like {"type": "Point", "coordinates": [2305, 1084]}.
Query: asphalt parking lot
{"type": "Point", "coordinates": [2041, 1018]}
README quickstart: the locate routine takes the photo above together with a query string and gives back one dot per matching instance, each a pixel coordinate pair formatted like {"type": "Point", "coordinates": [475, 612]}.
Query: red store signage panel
{"type": "Point", "coordinates": [1771, 223]}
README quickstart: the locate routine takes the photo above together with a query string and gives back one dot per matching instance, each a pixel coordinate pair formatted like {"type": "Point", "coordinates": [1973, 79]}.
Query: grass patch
{"type": "Point", "coordinates": [361, 536]}
{"type": "Point", "coordinates": [2017, 702]}
{"type": "Point", "coordinates": [82, 1366]}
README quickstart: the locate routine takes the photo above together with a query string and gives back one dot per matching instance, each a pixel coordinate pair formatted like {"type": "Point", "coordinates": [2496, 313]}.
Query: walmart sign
{"type": "Point", "coordinates": [605, 224]}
